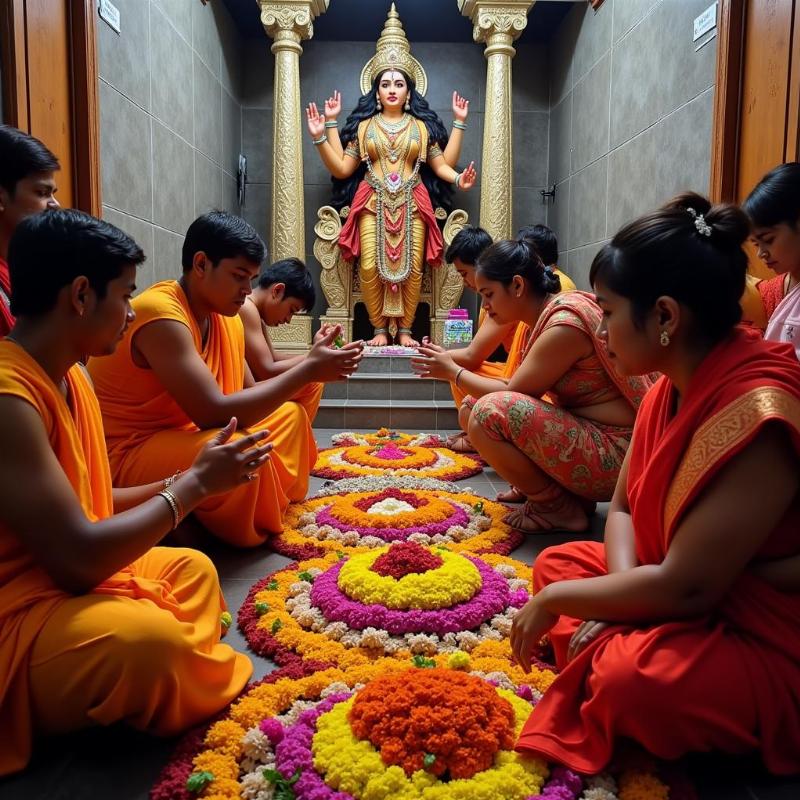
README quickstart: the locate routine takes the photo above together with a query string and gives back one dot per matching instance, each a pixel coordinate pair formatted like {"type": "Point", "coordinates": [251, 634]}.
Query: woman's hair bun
{"type": "Point", "coordinates": [729, 225]}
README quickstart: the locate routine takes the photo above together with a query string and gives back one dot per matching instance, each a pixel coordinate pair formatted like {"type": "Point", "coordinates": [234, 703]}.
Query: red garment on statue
{"type": "Point", "coordinates": [350, 245]}
{"type": "Point", "coordinates": [6, 317]}
{"type": "Point", "coordinates": [726, 681]}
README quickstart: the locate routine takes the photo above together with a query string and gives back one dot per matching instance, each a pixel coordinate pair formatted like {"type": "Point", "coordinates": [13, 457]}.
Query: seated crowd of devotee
{"type": "Point", "coordinates": [97, 624]}
{"type": "Point", "coordinates": [563, 453]}
{"type": "Point", "coordinates": [192, 410]}
{"type": "Point", "coordinates": [463, 252]}
{"type": "Point", "coordinates": [180, 372]}
{"type": "Point", "coordinates": [648, 626]}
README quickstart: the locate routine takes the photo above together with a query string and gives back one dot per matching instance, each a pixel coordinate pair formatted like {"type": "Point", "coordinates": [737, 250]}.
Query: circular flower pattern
{"type": "Point", "coordinates": [340, 611]}
{"type": "Point", "coordinates": [361, 735]}
{"type": "Point", "coordinates": [384, 435]}
{"type": "Point", "coordinates": [365, 520]}
{"type": "Point", "coordinates": [377, 483]}
{"type": "Point", "coordinates": [391, 458]}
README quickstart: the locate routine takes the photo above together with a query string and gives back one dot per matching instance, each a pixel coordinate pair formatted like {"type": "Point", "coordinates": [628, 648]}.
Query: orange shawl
{"type": "Point", "coordinates": [28, 596]}
{"type": "Point", "coordinates": [135, 404]}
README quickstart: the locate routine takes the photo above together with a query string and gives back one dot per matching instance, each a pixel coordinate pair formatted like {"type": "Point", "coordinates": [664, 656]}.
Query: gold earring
{"type": "Point", "coordinates": [378, 103]}
{"type": "Point", "coordinates": [408, 105]}
{"type": "Point", "coordinates": [664, 339]}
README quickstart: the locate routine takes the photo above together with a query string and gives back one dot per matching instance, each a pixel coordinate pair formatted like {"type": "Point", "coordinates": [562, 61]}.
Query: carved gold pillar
{"type": "Point", "coordinates": [288, 22]}
{"type": "Point", "coordinates": [497, 23]}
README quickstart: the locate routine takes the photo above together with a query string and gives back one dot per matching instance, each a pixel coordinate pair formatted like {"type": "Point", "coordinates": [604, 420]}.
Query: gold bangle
{"type": "Point", "coordinates": [174, 506]}
{"type": "Point", "coordinates": [171, 479]}
{"type": "Point", "coordinates": [458, 375]}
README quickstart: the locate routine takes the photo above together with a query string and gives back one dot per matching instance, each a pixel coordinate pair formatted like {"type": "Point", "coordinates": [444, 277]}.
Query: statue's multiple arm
{"type": "Point", "coordinates": [460, 111]}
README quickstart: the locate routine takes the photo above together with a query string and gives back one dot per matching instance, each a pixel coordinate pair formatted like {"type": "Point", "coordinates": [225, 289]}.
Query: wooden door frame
{"type": "Point", "coordinates": [731, 28]}
{"type": "Point", "coordinates": [83, 83]}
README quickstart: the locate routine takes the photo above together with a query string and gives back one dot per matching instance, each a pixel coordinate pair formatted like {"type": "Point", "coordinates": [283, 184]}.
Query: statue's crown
{"type": "Point", "coordinates": [393, 51]}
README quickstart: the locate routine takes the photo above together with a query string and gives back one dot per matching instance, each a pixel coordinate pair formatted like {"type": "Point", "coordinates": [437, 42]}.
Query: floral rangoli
{"type": "Point", "coordinates": [403, 601]}
{"type": "Point", "coordinates": [370, 519]}
{"type": "Point", "coordinates": [383, 731]}
{"type": "Point", "coordinates": [391, 458]}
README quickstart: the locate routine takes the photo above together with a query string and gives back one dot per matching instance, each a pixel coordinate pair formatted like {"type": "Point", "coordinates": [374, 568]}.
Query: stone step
{"type": "Point", "coordinates": [387, 386]}
{"type": "Point", "coordinates": [416, 415]}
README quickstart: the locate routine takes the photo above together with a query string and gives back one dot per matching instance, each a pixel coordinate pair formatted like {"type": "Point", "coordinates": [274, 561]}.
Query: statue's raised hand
{"type": "Point", "coordinates": [333, 105]}
{"type": "Point", "coordinates": [468, 177]}
{"type": "Point", "coordinates": [460, 107]}
{"type": "Point", "coordinates": [315, 121]}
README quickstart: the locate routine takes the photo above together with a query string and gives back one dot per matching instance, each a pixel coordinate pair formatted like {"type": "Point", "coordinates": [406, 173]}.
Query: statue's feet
{"type": "Point", "coordinates": [406, 340]}
{"type": "Point", "coordinates": [379, 340]}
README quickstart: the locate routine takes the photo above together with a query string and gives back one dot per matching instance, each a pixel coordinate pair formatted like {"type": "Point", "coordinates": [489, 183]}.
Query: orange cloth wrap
{"type": "Point", "coordinates": [142, 647]}
{"type": "Point", "coordinates": [150, 436]}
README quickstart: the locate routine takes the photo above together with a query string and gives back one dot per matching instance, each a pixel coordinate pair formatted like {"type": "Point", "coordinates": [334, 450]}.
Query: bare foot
{"type": "Point", "coordinates": [460, 443]}
{"type": "Point", "coordinates": [563, 515]}
{"type": "Point", "coordinates": [378, 340]}
{"type": "Point", "coordinates": [513, 495]}
{"type": "Point", "coordinates": [405, 340]}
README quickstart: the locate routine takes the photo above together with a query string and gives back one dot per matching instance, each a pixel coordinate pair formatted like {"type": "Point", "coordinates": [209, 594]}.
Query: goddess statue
{"type": "Point", "coordinates": [392, 159]}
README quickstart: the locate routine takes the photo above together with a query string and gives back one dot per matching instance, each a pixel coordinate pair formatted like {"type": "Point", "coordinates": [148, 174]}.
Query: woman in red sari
{"type": "Point", "coordinates": [563, 452]}
{"type": "Point", "coordinates": [681, 631]}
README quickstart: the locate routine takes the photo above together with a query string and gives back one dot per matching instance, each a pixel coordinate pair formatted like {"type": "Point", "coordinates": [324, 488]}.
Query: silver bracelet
{"type": "Point", "coordinates": [331, 123]}
{"type": "Point", "coordinates": [460, 125]}
{"type": "Point", "coordinates": [457, 181]}
{"type": "Point", "coordinates": [322, 139]}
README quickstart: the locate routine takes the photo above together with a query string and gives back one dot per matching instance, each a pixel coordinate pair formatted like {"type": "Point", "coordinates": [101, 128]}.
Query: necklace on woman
{"type": "Point", "coordinates": [393, 128]}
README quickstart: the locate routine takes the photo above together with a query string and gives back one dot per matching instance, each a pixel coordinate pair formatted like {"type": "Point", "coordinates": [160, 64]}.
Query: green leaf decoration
{"type": "Point", "coordinates": [428, 760]}
{"type": "Point", "coordinates": [283, 787]}
{"type": "Point", "coordinates": [226, 619]}
{"type": "Point", "coordinates": [276, 626]}
{"type": "Point", "coordinates": [423, 662]}
{"type": "Point", "coordinates": [478, 506]}
{"type": "Point", "coordinates": [198, 781]}
{"type": "Point", "coordinates": [340, 555]}
{"type": "Point", "coordinates": [272, 585]}
{"type": "Point", "coordinates": [262, 608]}
{"type": "Point", "coordinates": [306, 576]}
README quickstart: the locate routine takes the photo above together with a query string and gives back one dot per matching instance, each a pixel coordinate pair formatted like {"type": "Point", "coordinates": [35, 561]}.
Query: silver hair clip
{"type": "Point", "coordinates": [700, 222]}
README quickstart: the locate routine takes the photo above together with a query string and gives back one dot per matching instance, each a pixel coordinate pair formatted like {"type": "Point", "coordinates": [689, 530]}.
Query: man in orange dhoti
{"type": "Point", "coordinates": [284, 289]}
{"type": "Point", "coordinates": [681, 630]}
{"type": "Point", "coordinates": [96, 624]}
{"type": "Point", "coordinates": [180, 373]}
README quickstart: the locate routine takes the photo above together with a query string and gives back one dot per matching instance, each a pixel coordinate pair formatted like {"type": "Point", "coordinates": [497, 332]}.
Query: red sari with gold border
{"type": "Point", "coordinates": [725, 681]}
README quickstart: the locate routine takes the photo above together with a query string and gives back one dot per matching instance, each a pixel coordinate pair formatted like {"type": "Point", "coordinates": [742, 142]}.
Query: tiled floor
{"type": "Point", "coordinates": [119, 764]}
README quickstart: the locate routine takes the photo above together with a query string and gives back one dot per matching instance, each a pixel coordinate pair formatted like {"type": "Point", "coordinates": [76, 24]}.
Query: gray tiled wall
{"type": "Point", "coordinates": [631, 105]}
{"type": "Point", "coordinates": [325, 66]}
{"type": "Point", "coordinates": [170, 122]}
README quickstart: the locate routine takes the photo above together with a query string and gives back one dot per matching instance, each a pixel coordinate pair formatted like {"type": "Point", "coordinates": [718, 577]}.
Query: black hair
{"type": "Point", "coordinates": [295, 276]}
{"type": "Point", "coordinates": [688, 250]}
{"type": "Point", "coordinates": [49, 250]}
{"type": "Point", "coordinates": [468, 244]}
{"type": "Point", "coordinates": [543, 240]}
{"type": "Point", "coordinates": [441, 192]}
{"type": "Point", "coordinates": [22, 155]}
{"type": "Point", "coordinates": [776, 198]}
{"type": "Point", "coordinates": [510, 257]}
{"type": "Point", "coordinates": [220, 235]}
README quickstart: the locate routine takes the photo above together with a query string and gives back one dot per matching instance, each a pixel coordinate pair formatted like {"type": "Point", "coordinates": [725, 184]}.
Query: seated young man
{"type": "Point", "coordinates": [97, 625]}
{"type": "Point", "coordinates": [180, 374]}
{"type": "Point", "coordinates": [27, 186]}
{"type": "Point", "coordinates": [284, 289]}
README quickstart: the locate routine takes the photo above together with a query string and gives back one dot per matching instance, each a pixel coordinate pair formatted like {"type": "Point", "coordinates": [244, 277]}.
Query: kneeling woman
{"type": "Point", "coordinates": [563, 452]}
{"type": "Point", "coordinates": [681, 631]}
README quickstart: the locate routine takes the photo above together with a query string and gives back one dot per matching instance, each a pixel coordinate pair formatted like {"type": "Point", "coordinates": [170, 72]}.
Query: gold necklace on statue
{"type": "Point", "coordinates": [392, 128]}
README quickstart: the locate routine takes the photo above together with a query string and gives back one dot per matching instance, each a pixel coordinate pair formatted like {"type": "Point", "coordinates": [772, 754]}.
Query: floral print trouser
{"type": "Point", "coordinates": [581, 455]}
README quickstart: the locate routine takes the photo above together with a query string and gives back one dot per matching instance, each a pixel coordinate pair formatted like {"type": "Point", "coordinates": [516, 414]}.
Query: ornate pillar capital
{"type": "Point", "coordinates": [288, 22]}
{"type": "Point", "coordinates": [496, 22]}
